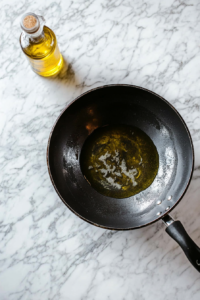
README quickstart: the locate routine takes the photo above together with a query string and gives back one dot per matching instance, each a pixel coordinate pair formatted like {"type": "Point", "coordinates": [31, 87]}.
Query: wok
{"type": "Point", "coordinates": [139, 107]}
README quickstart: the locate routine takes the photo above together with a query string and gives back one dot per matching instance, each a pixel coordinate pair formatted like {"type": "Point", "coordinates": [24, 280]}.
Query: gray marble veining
{"type": "Point", "coordinates": [46, 252]}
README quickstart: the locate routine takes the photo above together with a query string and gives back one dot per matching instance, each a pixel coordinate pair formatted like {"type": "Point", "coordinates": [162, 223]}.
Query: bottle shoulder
{"type": "Point", "coordinates": [38, 48]}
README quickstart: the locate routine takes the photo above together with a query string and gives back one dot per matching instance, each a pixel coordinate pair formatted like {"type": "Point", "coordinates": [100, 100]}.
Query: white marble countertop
{"type": "Point", "coordinates": [46, 252]}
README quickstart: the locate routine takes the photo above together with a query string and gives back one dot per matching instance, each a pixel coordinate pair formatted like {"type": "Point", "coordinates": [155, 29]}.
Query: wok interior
{"type": "Point", "coordinates": [120, 105]}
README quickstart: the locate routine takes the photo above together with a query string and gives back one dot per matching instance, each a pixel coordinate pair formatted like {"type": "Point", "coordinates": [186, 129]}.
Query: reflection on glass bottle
{"type": "Point", "coordinates": [39, 44]}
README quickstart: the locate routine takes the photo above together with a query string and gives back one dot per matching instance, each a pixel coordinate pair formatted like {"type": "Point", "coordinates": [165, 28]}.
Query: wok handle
{"type": "Point", "coordinates": [176, 230]}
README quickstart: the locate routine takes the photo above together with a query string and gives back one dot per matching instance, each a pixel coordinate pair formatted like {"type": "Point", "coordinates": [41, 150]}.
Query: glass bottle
{"type": "Point", "coordinates": [40, 46]}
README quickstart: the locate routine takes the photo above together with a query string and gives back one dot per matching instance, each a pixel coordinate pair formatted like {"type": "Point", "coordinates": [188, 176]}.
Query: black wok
{"type": "Point", "coordinates": [131, 105]}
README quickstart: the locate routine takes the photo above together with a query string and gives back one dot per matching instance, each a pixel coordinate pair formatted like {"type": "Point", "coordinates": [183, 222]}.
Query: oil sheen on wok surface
{"type": "Point", "coordinates": [119, 161]}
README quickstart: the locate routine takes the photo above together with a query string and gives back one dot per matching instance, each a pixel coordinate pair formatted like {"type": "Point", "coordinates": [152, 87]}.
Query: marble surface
{"type": "Point", "coordinates": [46, 252]}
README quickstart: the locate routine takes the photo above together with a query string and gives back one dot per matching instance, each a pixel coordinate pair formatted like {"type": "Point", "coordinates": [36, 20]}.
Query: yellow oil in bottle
{"type": "Point", "coordinates": [42, 51]}
{"type": "Point", "coordinates": [119, 161]}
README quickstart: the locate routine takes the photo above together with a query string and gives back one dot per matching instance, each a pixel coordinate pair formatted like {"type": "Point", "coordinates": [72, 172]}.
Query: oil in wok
{"type": "Point", "coordinates": [119, 161]}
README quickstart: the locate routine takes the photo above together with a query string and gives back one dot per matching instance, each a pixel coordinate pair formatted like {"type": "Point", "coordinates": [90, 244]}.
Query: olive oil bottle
{"type": "Point", "coordinates": [40, 46]}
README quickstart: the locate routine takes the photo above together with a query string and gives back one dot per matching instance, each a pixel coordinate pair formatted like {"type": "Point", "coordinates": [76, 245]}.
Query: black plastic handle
{"type": "Point", "coordinates": [192, 251]}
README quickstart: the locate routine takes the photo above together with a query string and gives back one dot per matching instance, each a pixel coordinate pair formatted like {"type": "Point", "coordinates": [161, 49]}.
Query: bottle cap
{"type": "Point", "coordinates": [30, 22]}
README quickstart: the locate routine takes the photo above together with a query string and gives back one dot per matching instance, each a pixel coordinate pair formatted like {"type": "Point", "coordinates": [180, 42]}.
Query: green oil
{"type": "Point", "coordinates": [119, 161]}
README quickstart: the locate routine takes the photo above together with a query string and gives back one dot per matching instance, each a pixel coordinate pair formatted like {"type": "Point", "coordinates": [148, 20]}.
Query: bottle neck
{"type": "Point", "coordinates": [37, 38]}
{"type": "Point", "coordinates": [32, 26]}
